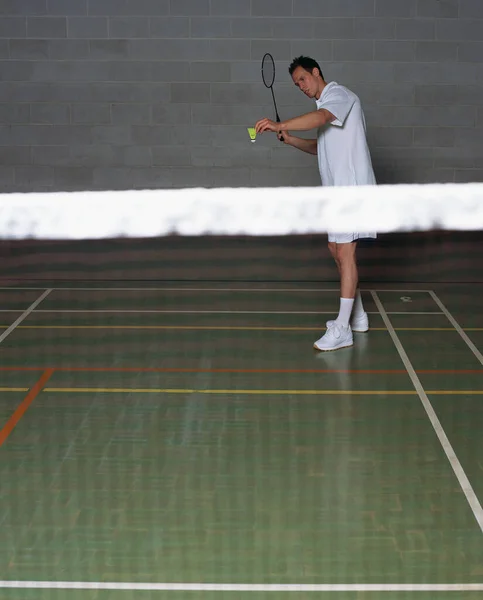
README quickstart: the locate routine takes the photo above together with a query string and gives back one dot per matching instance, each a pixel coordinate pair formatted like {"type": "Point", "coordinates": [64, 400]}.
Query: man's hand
{"type": "Point", "coordinates": [267, 125]}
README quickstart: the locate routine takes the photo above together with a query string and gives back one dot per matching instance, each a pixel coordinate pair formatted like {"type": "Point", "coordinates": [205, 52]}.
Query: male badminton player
{"type": "Point", "coordinates": [344, 159]}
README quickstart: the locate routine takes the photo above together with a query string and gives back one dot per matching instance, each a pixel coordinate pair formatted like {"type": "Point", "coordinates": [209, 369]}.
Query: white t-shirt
{"type": "Point", "coordinates": [342, 150]}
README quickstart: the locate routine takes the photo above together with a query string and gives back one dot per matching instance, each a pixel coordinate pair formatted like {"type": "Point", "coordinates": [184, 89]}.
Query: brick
{"type": "Point", "coordinates": [20, 155]}
{"type": "Point", "coordinates": [129, 27]}
{"type": "Point", "coordinates": [171, 113]}
{"type": "Point", "coordinates": [285, 177]}
{"type": "Point", "coordinates": [470, 52]}
{"type": "Point", "coordinates": [471, 9]}
{"type": "Point", "coordinates": [73, 178]}
{"type": "Point", "coordinates": [171, 156]}
{"type": "Point", "coordinates": [386, 93]}
{"type": "Point", "coordinates": [455, 158]}
{"type": "Point", "coordinates": [283, 157]}
{"type": "Point", "coordinates": [210, 27]}
{"type": "Point", "coordinates": [169, 27]}
{"type": "Point", "coordinates": [29, 49]}
{"type": "Point", "coordinates": [190, 8]}
{"type": "Point", "coordinates": [133, 156]}
{"type": "Point", "coordinates": [130, 70]}
{"type": "Point", "coordinates": [68, 49]}
{"type": "Point", "coordinates": [383, 137]}
{"type": "Point", "coordinates": [415, 29]}
{"type": "Point", "coordinates": [269, 8]}
{"type": "Point", "coordinates": [230, 177]}
{"type": "Point", "coordinates": [191, 177]}
{"type": "Point", "coordinates": [93, 113]}
{"type": "Point", "coordinates": [251, 28]}
{"type": "Point", "coordinates": [46, 27]}
{"type": "Point", "coordinates": [142, 8]}
{"type": "Point", "coordinates": [468, 176]}
{"type": "Point", "coordinates": [51, 155]}
{"type": "Point", "coordinates": [447, 116]}
{"type": "Point", "coordinates": [354, 50]}
{"type": "Point", "coordinates": [468, 137]}
{"type": "Point", "coordinates": [436, 51]}
{"type": "Point", "coordinates": [210, 71]}
{"type": "Point", "coordinates": [353, 72]}
{"type": "Point", "coordinates": [438, 8]}
{"type": "Point", "coordinates": [138, 114]}
{"type": "Point", "coordinates": [4, 49]}
{"type": "Point", "coordinates": [7, 175]}
{"type": "Point", "coordinates": [87, 27]}
{"type": "Point", "coordinates": [113, 178]}
{"type": "Point", "coordinates": [16, 70]}
{"type": "Point", "coordinates": [109, 48]}
{"type": "Point", "coordinates": [14, 113]}
{"type": "Point", "coordinates": [36, 175]}
{"type": "Point", "coordinates": [170, 71]}
{"type": "Point", "coordinates": [236, 93]}
{"type": "Point", "coordinates": [67, 7]}
{"type": "Point", "coordinates": [111, 134]}
{"type": "Point", "coordinates": [190, 92]}
{"type": "Point", "coordinates": [13, 27]}
{"type": "Point", "coordinates": [375, 28]}
{"type": "Point", "coordinates": [396, 8]}
{"type": "Point", "coordinates": [459, 29]}
{"type": "Point", "coordinates": [50, 113]}
{"type": "Point", "coordinates": [232, 8]}
{"type": "Point", "coordinates": [446, 95]}
{"type": "Point", "coordinates": [395, 51]}
{"type": "Point", "coordinates": [289, 28]}
{"type": "Point", "coordinates": [64, 71]}
{"type": "Point", "coordinates": [25, 7]}
{"type": "Point", "coordinates": [320, 50]}
{"type": "Point", "coordinates": [176, 49]}
{"type": "Point", "coordinates": [435, 72]}
{"type": "Point", "coordinates": [229, 50]}
{"type": "Point", "coordinates": [334, 8]}
{"type": "Point", "coordinates": [334, 29]}
{"type": "Point", "coordinates": [434, 136]}
{"type": "Point", "coordinates": [244, 71]}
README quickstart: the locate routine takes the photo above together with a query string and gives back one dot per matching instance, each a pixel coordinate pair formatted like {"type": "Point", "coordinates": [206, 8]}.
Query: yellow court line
{"type": "Point", "coordinates": [13, 389]}
{"type": "Point", "coordinates": [258, 392]}
{"type": "Point", "coordinates": [225, 327]}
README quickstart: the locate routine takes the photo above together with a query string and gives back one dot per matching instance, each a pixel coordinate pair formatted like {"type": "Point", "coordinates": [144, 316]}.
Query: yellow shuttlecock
{"type": "Point", "coordinates": [252, 133]}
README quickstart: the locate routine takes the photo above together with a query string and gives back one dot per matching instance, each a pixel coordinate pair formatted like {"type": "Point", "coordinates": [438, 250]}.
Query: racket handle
{"type": "Point", "coordinates": [278, 121]}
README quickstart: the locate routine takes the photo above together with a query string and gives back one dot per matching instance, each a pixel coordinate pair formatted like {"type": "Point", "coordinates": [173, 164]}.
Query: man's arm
{"type": "Point", "coordinates": [309, 146]}
{"type": "Point", "coordinates": [311, 120]}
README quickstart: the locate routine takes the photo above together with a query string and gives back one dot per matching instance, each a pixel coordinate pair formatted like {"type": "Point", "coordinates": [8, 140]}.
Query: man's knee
{"type": "Point", "coordinates": [346, 253]}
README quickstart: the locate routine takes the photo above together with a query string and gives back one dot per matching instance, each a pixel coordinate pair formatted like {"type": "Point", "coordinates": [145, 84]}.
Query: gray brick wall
{"type": "Point", "coordinates": [158, 93]}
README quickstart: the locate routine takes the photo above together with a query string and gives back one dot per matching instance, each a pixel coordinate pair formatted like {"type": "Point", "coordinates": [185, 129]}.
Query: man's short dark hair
{"type": "Point", "coordinates": [306, 63]}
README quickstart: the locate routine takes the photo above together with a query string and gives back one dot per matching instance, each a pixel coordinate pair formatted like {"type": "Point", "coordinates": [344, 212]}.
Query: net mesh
{"type": "Point", "coordinates": [241, 211]}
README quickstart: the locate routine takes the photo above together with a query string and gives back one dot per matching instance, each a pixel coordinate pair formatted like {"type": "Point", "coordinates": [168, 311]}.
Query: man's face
{"type": "Point", "coordinates": [305, 81]}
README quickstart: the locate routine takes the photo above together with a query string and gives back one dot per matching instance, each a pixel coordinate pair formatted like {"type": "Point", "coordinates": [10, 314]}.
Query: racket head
{"type": "Point", "coordinates": [268, 70]}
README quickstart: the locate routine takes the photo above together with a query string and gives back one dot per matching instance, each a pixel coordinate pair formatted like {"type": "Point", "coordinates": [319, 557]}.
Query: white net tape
{"type": "Point", "coordinates": [241, 211]}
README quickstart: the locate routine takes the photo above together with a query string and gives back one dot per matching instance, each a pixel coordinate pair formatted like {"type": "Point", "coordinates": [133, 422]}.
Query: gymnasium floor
{"type": "Point", "coordinates": [189, 434]}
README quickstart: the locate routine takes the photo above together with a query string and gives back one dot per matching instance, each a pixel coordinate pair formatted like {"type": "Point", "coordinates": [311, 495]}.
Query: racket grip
{"type": "Point", "coordinates": [278, 121]}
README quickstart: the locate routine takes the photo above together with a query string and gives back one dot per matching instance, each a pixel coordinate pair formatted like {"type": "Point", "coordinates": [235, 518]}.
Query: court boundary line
{"type": "Point", "coordinates": [457, 327]}
{"type": "Point", "coordinates": [25, 314]}
{"type": "Point", "coordinates": [207, 312]}
{"type": "Point", "coordinates": [202, 289]}
{"type": "Point", "coordinates": [458, 470]}
{"type": "Point", "coordinates": [22, 408]}
{"type": "Point", "coordinates": [245, 587]}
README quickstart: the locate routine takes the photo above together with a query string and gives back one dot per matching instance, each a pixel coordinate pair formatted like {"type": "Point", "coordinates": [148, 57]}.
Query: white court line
{"type": "Point", "coordinates": [458, 328]}
{"type": "Point", "coordinates": [203, 289]}
{"type": "Point", "coordinates": [438, 428]}
{"type": "Point", "coordinates": [246, 587]}
{"type": "Point", "coordinates": [24, 315]}
{"type": "Point", "coordinates": [209, 312]}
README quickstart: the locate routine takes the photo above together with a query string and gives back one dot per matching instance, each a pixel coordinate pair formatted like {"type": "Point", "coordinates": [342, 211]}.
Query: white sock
{"type": "Point", "coordinates": [346, 305]}
{"type": "Point", "coordinates": [358, 308]}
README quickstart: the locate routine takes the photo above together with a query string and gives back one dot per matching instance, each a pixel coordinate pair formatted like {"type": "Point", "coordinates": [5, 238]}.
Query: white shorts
{"type": "Point", "coordinates": [348, 238]}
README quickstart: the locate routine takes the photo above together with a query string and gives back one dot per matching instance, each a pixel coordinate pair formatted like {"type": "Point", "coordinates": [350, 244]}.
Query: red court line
{"type": "Point", "coordinates": [23, 406]}
{"type": "Point", "coordinates": [187, 370]}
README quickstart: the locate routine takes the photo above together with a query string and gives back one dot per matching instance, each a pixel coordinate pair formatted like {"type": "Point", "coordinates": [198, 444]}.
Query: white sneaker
{"type": "Point", "coordinates": [359, 323]}
{"type": "Point", "coordinates": [337, 336]}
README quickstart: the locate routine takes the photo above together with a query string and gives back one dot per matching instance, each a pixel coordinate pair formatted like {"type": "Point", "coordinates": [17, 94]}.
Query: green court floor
{"type": "Point", "coordinates": [185, 441]}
